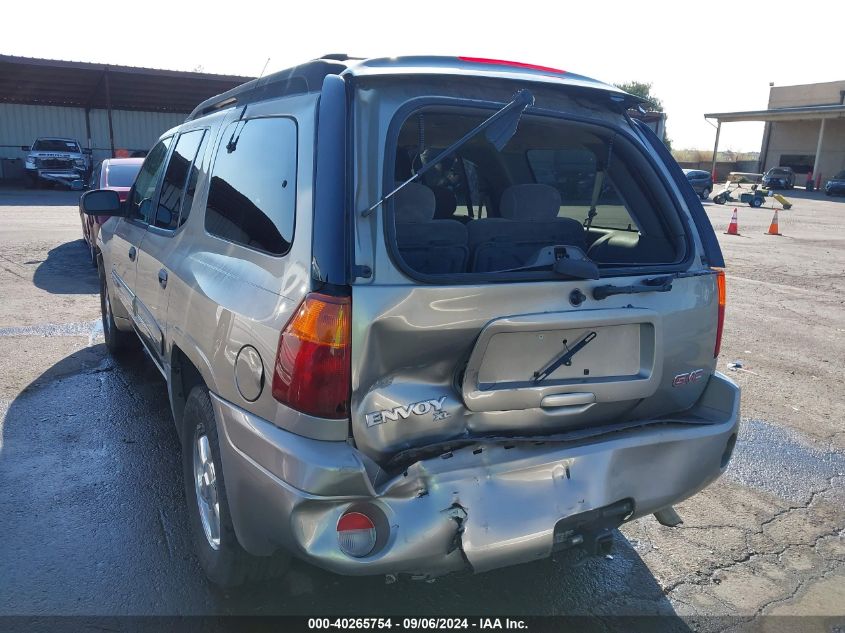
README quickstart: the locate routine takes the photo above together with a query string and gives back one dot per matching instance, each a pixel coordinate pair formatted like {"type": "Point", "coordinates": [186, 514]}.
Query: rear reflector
{"type": "Point", "coordinates": [504, 62]}
{"type": "Point", "coordinates": [356, 534]}
{"type": "Point", "coordinates": [720, 323]}
{"type": "Point", "coordinates": [312, 372]}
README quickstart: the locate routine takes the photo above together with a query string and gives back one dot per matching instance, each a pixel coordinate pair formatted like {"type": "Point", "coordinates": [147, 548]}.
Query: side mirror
{"type": "Point", "coordinates": [102, 202]}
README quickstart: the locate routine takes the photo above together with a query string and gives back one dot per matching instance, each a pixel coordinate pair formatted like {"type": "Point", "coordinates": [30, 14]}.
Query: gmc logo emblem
{"type": "Point", "coordinates": [690, 377]}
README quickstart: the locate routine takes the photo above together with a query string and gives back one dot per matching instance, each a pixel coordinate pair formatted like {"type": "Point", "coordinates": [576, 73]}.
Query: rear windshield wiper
{"type": "Point", "coordinates": [569, 261]}
{"type": "Point", "coordinates": [499, 128]}
{"type": "Point", "coordinates": [655, 284]}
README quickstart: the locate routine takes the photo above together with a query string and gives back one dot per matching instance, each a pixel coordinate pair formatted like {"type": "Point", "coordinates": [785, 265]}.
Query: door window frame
{"type": "Point", "coordinates": [145, 222]}
{"type": "Point", "coordinates": [159, 230]}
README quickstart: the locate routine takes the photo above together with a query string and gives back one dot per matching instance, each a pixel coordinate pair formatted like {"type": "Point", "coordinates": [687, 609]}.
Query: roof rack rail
{"type": "Point", "coordinates": [341, 57]}
{"type": "Point", "coordinates": [302, 79]}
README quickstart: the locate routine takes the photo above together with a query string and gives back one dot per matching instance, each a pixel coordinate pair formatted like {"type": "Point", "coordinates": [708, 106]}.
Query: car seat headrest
{"type": "Point", "coordinates": [530, 202]}
{"type": "Point", "coordinates": [414, 203]}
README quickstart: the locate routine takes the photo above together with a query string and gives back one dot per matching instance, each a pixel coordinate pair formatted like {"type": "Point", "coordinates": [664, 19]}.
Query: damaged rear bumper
{"type": "Point", "coordinates": [480, 507]}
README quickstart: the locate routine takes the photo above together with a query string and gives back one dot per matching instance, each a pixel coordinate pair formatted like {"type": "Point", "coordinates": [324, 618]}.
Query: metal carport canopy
{"type": "Point", "coordinates": [32, 81]}
{"type": "Point", "coordinates": [798, 113]}
{"type": "Point", "coordinates": [801, 113]}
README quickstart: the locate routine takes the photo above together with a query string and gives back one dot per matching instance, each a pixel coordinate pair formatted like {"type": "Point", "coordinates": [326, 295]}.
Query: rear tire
{"type": "Point", "coordinates": [118, 342]}
{"type": "Point", "coordinates": [220, 554]}
{"type": "Point", "coordinates": [705, 193]}
{"type": "Point", "coordinates": [756, 202]}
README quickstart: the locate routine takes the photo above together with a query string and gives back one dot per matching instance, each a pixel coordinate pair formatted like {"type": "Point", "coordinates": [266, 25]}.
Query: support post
{"type": "Point", "coordinates": [816, 172]}
{"type": "Point", "coordinates": [764, 153]}
{"type": "Point", "coordinates": [88, 125]}
{"type": "Point", "coordinates": [108, 110]}
{"type": "Point", "coordinates": [715, 151]}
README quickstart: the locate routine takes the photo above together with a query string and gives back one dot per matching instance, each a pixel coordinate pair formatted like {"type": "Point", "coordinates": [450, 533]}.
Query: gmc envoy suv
{"type": "Point", "coordinates": [421, 315]}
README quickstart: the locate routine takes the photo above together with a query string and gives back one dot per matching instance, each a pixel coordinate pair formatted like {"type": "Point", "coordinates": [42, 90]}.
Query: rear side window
{"type": "Point", "coordinates": [252, 195]}
{"type": "Point", "coordinates": [175, 178]}
{"type": "Point", "coordinates": [121, 175]}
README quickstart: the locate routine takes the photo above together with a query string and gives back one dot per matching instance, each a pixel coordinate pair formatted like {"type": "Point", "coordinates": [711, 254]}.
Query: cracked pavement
{"type": "Point", "coordinates": [91, 502]}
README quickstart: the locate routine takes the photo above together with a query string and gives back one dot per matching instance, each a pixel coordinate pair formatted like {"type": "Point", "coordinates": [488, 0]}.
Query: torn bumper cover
{"type": "Point", "coordinates": [480, 507]}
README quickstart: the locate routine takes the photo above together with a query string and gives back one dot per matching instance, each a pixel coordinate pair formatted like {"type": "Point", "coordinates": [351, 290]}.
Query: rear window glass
{"type": "Point", "coordinates": [252, 195]}
{"type": "Point", "coordinates": [555, 184]}
{"type": "Point", "coordinates": [122, 175]}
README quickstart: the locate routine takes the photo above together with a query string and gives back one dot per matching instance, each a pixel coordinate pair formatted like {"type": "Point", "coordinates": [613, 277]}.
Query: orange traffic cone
{"type": "Point", "coordinates": [773, 227]}
{"type": "Point", "coordinates": [733, 227]}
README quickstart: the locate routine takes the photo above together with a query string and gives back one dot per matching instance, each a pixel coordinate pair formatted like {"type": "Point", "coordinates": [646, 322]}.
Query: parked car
{"type": "Point", "coordinates": [779, 178]}
{"type": "Point", "coordinates": [385, 358]}
{"type": "Point", "coordinates": [836, 185]}
{"type": "Point", "coordinates": [701, 181]}
{"type": "Point", "coordinates": [116, 174]}
{"type": "Point", "coordinates": [55, 160]}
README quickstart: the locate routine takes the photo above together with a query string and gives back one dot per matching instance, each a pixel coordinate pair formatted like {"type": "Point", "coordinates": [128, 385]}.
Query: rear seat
{"type": "Point", "coordinates": [529, 221]}
{"type": "Point", "coordinates": [428, 245]}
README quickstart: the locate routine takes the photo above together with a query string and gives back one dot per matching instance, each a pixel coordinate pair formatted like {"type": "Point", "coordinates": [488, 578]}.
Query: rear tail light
{"type": "Point", "coordinates": [312, 372]}
{"type": "Point", "coordinates": [720, 322]}
{"type": "Point", "coordinates": [356, 534]}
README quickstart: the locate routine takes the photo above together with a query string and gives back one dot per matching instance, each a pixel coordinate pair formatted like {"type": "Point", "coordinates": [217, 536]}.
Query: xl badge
{"type": "Point", "coordinates": [404, 412]}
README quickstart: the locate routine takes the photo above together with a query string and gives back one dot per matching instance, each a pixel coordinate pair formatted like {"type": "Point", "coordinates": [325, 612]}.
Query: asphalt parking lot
{"type": "Point", "coordinates": [91, 502]}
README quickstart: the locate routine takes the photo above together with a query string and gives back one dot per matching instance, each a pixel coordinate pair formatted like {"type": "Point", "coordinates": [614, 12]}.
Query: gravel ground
{"type": "Point", "coordinates": [91, 503]}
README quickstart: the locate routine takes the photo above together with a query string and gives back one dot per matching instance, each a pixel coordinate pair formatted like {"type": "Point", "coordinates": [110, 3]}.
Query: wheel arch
{"type": "Point", "coordinates": [188, 368]}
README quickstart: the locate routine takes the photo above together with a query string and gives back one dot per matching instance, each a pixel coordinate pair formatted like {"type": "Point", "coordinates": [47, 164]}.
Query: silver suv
{"type": "Point", "coordinates": [421, 315]}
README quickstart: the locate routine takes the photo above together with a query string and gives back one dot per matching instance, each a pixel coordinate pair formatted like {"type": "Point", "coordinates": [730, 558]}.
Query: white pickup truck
{"type": "Point", "coordinates": [59, 160]}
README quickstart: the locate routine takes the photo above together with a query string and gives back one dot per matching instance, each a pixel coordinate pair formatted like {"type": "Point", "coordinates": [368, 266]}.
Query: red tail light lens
{"type": "Point", "coordinates": [313, 371]}
{"type": "Point", "coordinates": [356, 534]}
{"type": "Point", "coordinates": [720, 323]}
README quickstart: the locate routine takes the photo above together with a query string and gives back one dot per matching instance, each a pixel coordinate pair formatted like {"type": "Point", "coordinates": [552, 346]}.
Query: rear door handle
{"type": "Point", "coordinates": [162, 278]}
{"type": "Point", "coordinates": [132, 253]}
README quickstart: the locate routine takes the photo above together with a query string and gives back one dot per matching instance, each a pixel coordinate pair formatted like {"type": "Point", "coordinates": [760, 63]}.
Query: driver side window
{"type": "Point", "coordinates": [140, 199]}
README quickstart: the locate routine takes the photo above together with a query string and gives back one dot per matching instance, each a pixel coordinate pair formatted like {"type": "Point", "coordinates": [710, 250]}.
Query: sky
{"type": "Point", "coordinates": [700, 57]}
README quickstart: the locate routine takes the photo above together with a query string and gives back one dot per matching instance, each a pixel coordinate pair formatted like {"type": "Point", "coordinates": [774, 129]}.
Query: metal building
{"type": "Point", "coordinates": [106, 108]}
{"type": "Point", "coordinates": [805, 129]}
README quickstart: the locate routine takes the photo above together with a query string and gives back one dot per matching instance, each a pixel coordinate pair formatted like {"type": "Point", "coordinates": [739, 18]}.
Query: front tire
{"type": "Point", "coordinates": [118, 342]}
{"type": "Point", "coordinates": [220, 554]}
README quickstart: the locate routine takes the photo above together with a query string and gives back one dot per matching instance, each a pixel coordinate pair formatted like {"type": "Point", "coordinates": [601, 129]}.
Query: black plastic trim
{"type": "Point", "coordinates": [329, 237]}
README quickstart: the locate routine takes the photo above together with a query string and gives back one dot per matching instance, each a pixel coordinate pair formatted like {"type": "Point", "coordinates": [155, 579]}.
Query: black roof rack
{"type": "Point", "coordinates": [341, 57]}
{"type": "Point", "coordinates": [302, 79]}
